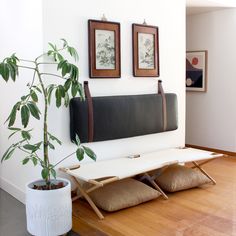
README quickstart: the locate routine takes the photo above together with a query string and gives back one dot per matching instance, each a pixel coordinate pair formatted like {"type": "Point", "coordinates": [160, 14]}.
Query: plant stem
{"type": "Point", "coordinates": [45, 127]}
{"type": "Point", "coordinates": [19, 147]}
{"type": "Point", "coordinates": [52, 75]}
{"type": "Point", "coordinates": [47, 63]}
{"type": "Point", "coordinates": [44, 54]}
{"type": "Point", "coordinates": [26, 60]}
{"type": "Point", "coordinates": [27, 67]}
{"type": "Point", "coordinates": [63, 159]}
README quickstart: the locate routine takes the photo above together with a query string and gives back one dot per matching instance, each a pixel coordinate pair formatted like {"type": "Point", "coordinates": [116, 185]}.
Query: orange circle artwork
{"type": "Point", "coordinates": [195, 61]}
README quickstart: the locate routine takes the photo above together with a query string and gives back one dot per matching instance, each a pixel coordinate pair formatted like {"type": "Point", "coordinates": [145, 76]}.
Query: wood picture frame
{"type": "Point", "coordinates": [145, 50]}
{"type": "Point", "coordinates": [196, 71]}
{"type": "Point", "coordinates": [104, 49]}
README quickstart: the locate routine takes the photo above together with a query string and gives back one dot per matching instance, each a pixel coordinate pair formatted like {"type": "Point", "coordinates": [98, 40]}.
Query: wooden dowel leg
{"type": "Point", "coordinates": [204, 172]}
{"type": "Point", "coordinates": [154, 184]}
{"type": "Point", "coordinates": [89, 200]}
{"type": "Point", "coordinates": [203, 163]}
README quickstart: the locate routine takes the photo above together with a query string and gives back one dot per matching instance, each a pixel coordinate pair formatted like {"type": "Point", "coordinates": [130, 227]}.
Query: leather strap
{"type": "Point", "coordinates": [90, 111]}
{"type": "Point", "coordinates": [164, 110]}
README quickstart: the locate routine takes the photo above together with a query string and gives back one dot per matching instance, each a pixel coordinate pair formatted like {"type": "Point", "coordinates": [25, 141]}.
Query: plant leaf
{"type": "Point", "coordinates": [58, 97]}
{"type": "Point", "coordinates": [66, 99]}
{"type": "Point", "coordinates": [67, 84]}
{"type": "Point", "coordinates": [59, 66]}
{"type": "Point", "coordinates": [62, 91]}
{"type": "Point", "coordinates": [52, 46]}
{"type": "Point", "coordinates": [34, 160]}
{"type": "Point", "coordinates": [49, 92]}
{"type": "Point", "coordinates": [90, 153]}
{"type": "Point", "coordinates": [37, 88]}
{"type": "Point", "coordinates": [45, 173]}
{"type": "Point", "coordinates": [54, 173]}
{"type": "Point", "coordinates": [74, 89]}
{"type": "Point", "coordinates": [65, 68]}
{"type": "Point", "coordinates": [13, 69]}
{"type": "Point", "coordinates": [29, 147]}
{"type": "Point", "coordinates": [60, 57]}
{"type": "Point", "coordinates": [50, 52]}
{"type": "Point", "coordinates": [81, 92]}
{"type": "Point", "coordinates": [25, 115]}
{"type": "Point", "coordinates": [64, 43]}
{"type": "Point", "coordinates": [25, 135]}
{"type": "Point", "coordinates": [15, 131]}
{"type": "Point", "coordinates": [77, 140]}
{"type": "Point", "coordinates": [12, 116]}
{"type": "Point", "coordinates": [34, 96]}
{"type": "Point", "coordinates": [12, 134]}
{"type": "Point", "coordinates": [8, 153]}
{"type": "Point", "coordinates": [73, 53]}
{"type": "Point", "coordinates": [37, 145]}
{"type": "Point", "coordinates": [14, 128]}
{"type": "Point", "coordinates": [4, 71]}
{"type": "Point", "coordinates": [51, 145]}
{"type": "Point", "coordinates": [54, 138]}
{"type": "Point", "coordinates": [80, 154]}
{"type": "Point", "coordinates": [34, 110]}
{"type": "Point", "coordinates": [25, 161]}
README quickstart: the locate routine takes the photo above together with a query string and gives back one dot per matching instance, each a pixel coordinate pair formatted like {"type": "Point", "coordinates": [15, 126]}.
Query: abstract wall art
{"type": "Point", "coordinates": [196, 70]}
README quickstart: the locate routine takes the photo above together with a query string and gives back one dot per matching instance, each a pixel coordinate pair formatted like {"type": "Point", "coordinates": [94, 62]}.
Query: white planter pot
{"type": "Point", "coordinates": [49, 212]}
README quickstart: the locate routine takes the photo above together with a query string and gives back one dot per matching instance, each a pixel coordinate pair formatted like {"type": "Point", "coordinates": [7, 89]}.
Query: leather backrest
{"type": "Point", "coordinates": [122, 116]}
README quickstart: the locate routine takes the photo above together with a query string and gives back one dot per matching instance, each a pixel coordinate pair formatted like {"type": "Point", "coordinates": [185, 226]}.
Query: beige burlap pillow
{"type": "Point", "coordinates": [177, 177]}
{"type": "Point", "coordinates": [122, 194]}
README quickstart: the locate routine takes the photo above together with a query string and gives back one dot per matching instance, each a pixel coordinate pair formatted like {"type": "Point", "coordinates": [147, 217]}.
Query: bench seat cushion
{"type": "Point", "coordinates": [177, 177]}
{"type": "Point", "coordinates": [122, 194]}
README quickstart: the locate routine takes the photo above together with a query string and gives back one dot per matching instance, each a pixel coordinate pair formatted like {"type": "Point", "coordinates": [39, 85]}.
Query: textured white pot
{"type": "Point", "coordinates": [49, 212]}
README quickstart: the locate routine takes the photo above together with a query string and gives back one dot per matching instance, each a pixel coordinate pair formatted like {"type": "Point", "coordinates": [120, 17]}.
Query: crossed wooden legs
{"type": "Point", "coordinates": [198, 166]}
{"type": "Point", "coordinates": [89, 200]}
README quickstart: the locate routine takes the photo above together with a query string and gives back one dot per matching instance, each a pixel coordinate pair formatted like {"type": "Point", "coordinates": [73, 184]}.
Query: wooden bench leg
{"type": "Point", "coordinates": [198, 166]}
{"type": "Point", "coordinates": [154, 184]}
{"type": "Point", "coordinates": [89, 200]}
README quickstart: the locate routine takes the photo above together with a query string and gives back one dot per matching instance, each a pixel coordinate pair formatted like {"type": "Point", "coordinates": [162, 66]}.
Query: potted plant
{"type": "Point", "coordinates": [48, 201]}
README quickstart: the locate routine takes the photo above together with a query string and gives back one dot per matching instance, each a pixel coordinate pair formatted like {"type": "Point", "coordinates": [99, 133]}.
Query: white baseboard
{"type": "Point", "coordinates": [12, 190]}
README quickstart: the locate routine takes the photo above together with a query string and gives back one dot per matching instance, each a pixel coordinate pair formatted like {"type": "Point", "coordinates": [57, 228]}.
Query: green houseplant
{"type": "Point", "coordinates": [68, 85]}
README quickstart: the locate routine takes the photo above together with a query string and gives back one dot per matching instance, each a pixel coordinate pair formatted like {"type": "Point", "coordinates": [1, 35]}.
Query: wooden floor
{"type": "Point", "coordinates": [209, 210]}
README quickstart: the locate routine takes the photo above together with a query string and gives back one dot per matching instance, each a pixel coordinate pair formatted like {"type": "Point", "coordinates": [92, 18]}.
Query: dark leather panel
{"type": "Point", "coordinates": [122, 116]}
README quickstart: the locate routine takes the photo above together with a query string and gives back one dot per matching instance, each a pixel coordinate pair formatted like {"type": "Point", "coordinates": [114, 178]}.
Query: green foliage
{"type": "Point", "coordinates": [81, 150]}
{"type": "Point", "coordinates": [90, 153]}
{"type": "Point", "coordinates": [27, 107]}
{"type": "Point", "coordinates": [80, 154]}
{"type": "Point", "coordinates": [9, 68]}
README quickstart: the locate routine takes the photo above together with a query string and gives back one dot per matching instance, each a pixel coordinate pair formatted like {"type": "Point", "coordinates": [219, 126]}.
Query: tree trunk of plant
{"type": "Point", "coordinates": [45, 131]}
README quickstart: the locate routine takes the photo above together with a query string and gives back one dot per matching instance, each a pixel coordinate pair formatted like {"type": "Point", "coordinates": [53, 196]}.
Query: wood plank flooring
{"type": "Point", "coordinates": [206, 211]}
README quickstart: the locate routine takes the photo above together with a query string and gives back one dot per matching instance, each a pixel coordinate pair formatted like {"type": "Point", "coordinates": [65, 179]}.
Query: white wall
{"type": "Point", "coordinates": [21, 33]}
{"type": "Point", "coordinates": [211, 116]}
{"type": "Point", "coordinates": [68, 19]}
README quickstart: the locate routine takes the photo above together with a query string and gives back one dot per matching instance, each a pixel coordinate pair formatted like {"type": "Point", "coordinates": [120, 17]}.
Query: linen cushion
{"type": "Point", "coordinates": [122, 194]}
{"type": "Point", "coordinates": [177, 177]}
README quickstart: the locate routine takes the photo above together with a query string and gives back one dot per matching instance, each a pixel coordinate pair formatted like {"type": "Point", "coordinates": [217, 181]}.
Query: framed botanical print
{"type": "Point", "coordinates": [104, 49]}
{"type": "Point", "coordinates": [196, 70]}
{"type": "Point", "coordinates": [145, 50]}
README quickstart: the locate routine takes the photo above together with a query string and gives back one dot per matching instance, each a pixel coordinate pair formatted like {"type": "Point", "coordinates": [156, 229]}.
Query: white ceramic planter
{"type": "Point", "coordinates": [49, 212]}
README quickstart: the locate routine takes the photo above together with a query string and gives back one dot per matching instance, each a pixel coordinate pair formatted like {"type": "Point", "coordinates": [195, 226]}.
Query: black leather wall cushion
{"type": "Point", "coordinates": [122, 116]}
